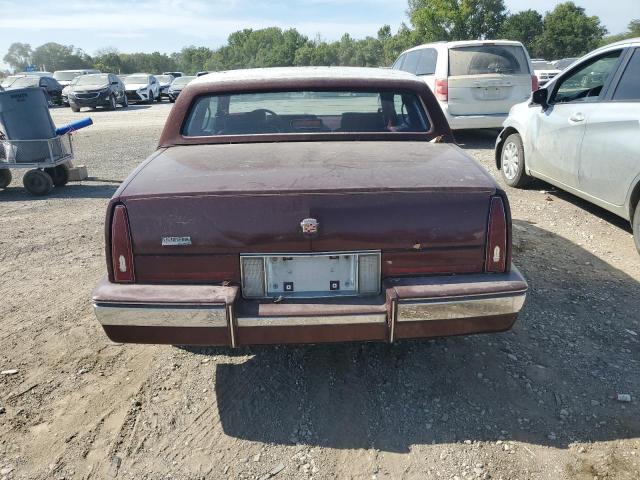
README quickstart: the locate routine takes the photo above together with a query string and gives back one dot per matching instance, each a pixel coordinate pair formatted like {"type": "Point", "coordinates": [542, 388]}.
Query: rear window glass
{"type": "Point", "coordinates": [483, 59]}
{"type": "Point", "coordinates": [306, 112]}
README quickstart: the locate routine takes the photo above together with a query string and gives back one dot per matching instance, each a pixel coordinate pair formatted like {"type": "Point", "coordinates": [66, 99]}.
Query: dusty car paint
{"type": "Point", "coordinates": [424, 206]}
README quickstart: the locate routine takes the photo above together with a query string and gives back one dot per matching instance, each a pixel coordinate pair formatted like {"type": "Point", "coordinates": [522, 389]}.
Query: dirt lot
{"type": "Point", "coordinates": [536, 402]}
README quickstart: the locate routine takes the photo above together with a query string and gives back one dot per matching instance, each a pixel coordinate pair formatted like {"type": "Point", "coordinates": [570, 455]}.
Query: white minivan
{"type": "Point", "coordinates": [476, 82]}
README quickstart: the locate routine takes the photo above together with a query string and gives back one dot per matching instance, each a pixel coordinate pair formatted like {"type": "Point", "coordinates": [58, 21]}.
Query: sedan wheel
{"type": "Point", "coordinates": [512, 162]}
{"type": "Point", "coordinates": [112, 102]}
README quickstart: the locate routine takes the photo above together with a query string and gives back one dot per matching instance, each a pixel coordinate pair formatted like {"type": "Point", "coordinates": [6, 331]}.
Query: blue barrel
{"type": "Point", "coordinates": [77, 125]}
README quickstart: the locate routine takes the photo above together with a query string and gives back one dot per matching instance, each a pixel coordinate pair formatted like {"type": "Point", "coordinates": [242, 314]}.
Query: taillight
{"type": "Point", "coordinates": [534, 83]}
{"type": "Point", "coordinates": [442, 89]}
{"type": "Point", "coordinates": [496, 254]}
{"type": "Point", "coordinates": [121, 248]}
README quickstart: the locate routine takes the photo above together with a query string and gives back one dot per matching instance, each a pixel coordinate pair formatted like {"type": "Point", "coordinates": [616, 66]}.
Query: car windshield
{"type": "Point", "coordinates": [306, 112]}
{"type": "Point", "coordinates": [538, 65]}
{"type": "Point", "coordinates": [92, 80]}
{"type": "Point", "coordinates": [182, 80]}
{"type": "Point", "coordinates": [26, 82]}
{"type": "Point", "coordinates": [7, 82]}
{"type": "Point", "coordinates": [165, 78]}
{"type": "Point", "coordinates": [137, 79]}
{"type": "Point", "coordinates": [65, 76]}
{"type": "Point", "coordinates": [483, 59]}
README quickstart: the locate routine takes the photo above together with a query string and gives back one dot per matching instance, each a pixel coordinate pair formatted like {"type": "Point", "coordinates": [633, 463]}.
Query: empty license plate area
{"type": "Point", "coordinates": [318, 275]}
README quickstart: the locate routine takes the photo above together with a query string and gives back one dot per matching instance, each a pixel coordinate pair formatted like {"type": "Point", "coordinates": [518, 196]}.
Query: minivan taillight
{"type": "Point", "coordinates": [496, 254]}
{"type": "Point", "coordinates": [121, 249]}
{"type": "Point", "coordinates": [442, 89]}
{"type": "Point", "coordinates": [534, 83]}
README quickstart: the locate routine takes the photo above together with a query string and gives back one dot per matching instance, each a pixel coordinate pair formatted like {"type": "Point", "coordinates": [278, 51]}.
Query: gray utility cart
{"type": "Point", "coordinates": [28, 139]}
{"type": "Point", "coordinates": [48, 161]}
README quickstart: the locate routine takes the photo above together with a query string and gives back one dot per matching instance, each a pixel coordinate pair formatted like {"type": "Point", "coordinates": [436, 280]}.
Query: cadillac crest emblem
{"type": "Point", "coordinates": [309, 226]}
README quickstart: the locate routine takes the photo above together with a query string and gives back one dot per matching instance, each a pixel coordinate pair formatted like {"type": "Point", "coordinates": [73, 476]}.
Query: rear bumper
{"type": "Point", "coordinates": [418, 307]}
{"type": "Point", "coordinates": [464, 122]}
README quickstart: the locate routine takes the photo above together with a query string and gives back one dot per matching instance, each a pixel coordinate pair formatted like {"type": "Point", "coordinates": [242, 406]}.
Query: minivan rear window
{"type": "Point", "coordinates": [483, 59]}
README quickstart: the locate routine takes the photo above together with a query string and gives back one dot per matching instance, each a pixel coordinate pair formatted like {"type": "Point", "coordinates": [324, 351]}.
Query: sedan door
{"type": "Point", "coordinates": [610, 152]}
{"type": "Point", "coordinates": [557, 132]}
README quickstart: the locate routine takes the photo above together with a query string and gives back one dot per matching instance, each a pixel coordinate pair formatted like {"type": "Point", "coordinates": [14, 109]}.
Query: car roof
{"type": "Point", "coordinates": [303, 73]}
{"type": "Point", "coordinates": [627, 42]}
{"type": "Point", "coordinates": [464, 43]}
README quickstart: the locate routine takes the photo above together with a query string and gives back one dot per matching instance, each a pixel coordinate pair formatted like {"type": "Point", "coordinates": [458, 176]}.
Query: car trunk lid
{"type": "Point", "coordinates": [250, 198]}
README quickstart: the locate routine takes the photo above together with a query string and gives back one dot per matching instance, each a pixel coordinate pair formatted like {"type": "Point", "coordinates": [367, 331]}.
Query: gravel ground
{"type": "Point", "coordinates": [539, 401]}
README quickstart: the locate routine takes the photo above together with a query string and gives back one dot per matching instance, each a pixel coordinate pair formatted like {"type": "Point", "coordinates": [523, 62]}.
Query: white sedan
{"type": "Point", "coordinates": [581, 132]}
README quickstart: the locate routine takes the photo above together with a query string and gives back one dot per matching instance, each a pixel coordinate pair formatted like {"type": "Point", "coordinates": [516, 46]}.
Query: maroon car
{"type": "Point", "coordinates": [296, 205]}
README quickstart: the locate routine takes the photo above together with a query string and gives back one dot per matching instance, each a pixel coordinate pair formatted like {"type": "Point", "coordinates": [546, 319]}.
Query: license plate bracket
{"type": "Point", "coordinates": [311, 275]}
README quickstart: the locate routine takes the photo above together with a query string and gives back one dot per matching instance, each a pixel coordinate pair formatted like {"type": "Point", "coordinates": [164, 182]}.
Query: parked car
{"type": "Point", "coordinates": [174, 74]}
{"type": "Point", "coordinates": [49, 84]}
{"type": "Point", "coordinates": [64, 78]}
{"type": "Point", "coordinates": [563, 63]}
{"type": "Point", "coordinates": [142, 87]}
{"type": "Point", "coordinates": [8, 81]}
{"type": "Point", "coordinates": [544, 70]}
{"type": "Point", "coordinates": [36, 74]}
{"type": "Point", "coordinates": [97, 90]}
{"type": "Point", "coordinates": [581, 132]}
{"type": "Point", "coordinates": [475, 82]}
{"type": "Point", "coordinates": [176, 87]}
{"type": "Point", "coordinates": [165, 83]}
{"type": "Point", "coordinates": [276, 213]}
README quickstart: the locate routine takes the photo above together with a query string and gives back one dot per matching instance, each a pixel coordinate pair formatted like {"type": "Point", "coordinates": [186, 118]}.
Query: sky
{"type": "Point", "coordinates": [168, 25]}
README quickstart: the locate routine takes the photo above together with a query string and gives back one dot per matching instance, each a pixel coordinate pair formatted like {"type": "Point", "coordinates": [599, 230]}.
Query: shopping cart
{"type": "Point", "coordinates": [48, 161]}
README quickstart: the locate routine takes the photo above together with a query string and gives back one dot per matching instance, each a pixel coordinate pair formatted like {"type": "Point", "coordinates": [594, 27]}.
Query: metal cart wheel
{"type": "Point", "coordinates": [59, 175]}
{"type": "Point", "coordinates": [5, 177]}
{"type": "Point", "coordinates": [37, 182]}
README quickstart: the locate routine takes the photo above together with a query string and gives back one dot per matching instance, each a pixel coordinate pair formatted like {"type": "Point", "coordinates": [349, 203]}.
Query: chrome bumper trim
{"type": "Point", "coordinates": [451, 308]}
{"type": "Point", "coordinates": [161, 315]}
{"type": "Point", "coordinates": [311, 320]}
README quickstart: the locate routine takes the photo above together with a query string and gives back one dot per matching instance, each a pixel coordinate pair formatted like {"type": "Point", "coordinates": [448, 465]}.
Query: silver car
{"type": "Point", "coordinates": [581, 132]}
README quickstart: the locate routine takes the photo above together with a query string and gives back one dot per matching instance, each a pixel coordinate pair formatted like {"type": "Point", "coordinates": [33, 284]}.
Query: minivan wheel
{"type": "Point", "coordinates": [512, 162]}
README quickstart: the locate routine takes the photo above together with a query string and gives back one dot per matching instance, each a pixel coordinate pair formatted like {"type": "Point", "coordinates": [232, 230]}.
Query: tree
{"type": "Point", "coordinates": [54, 56]}
{"type": "Point", "coordinates": [18, 56]}
{"type": "Point", "coordinates": [525, 26]}
{"type": "Point", "coordinates": [569, 32]}
{"type": "Point", "coordinates": [436, 20]}
{"type": "Point", "coordinates": [633, 30]}
{"type": "Point", "coordinates": [193, 59]}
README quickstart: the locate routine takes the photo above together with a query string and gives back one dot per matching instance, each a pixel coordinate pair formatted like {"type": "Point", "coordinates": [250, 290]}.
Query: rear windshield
{"type": "Point", "coordinates": [540, 65]}
{"type": "Point", "coordinates": [165, 78]}
{"type": "Point", "coordinates": [482, 59]}
{"type": "Point", "coordinates": [26, 82]}
{"type": "Point", "coordinates": [306, 112]}
{"type": "Point", "coordinates": [66, 76]}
